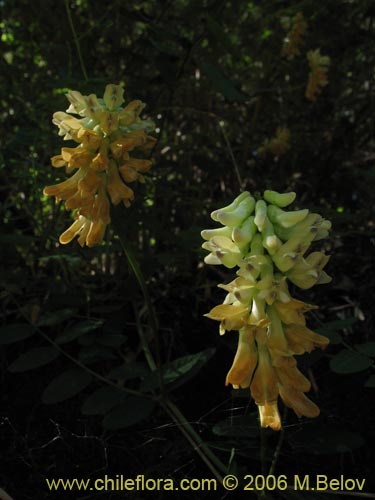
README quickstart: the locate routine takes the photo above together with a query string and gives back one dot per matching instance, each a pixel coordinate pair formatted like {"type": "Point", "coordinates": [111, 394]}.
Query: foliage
{"type": "Point", "coordinates": [221, 92]}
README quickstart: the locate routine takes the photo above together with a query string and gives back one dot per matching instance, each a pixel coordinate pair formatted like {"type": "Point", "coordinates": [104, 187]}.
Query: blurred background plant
{"type": "Point", "coordinates": [228, 94]}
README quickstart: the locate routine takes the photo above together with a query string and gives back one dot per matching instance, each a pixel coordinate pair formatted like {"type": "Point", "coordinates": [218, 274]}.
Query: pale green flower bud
{"type": "Point", "coordinates": [260, 214]}
{"type": "Point", "coordinates": [310, 223]}
{"type": "Point", "coordinates": [207, 234]}
{"type": "Point", "coordinates": [237, 216]}
{"type": "Point", "coordinates": [279, 199]}
{"type": "Point", "coordinates": [232, 206]}
{"type": "Point", "coordinates": [212, 260]}
{"type": "Point", "coordinates": [286, 219]}
{"type": "Point", "coordinates": [243, 234]}
{"type": "Point", "coordinates": [256, 247]}
{"type": "Point", "coordinates": [270, 241]}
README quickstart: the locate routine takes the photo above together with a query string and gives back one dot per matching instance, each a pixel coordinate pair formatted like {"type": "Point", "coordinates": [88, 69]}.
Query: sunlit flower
{"type": "Point", "coordinates": [231, 316]}
{"type": "Point", "coordinates": [269, 416]}
{"type": "Point", "coordinates": [293, 311]}
{"type": "Point", "coordinates": [264, 386]}
{"type": "Point", "coordinates": [269, 246]}
{"type": "Point", "coordinates": [107, 135]}
{"type": "Point", "coordinates": [245, 361]}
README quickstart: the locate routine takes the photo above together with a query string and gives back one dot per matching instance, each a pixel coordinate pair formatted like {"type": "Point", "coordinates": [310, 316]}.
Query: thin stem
{"type": "Point", "coordinates": [4, 495]}
{"type": "Point", "coordinates": [279, 445]}
{"type": "Point", "coordinates": [198, 440]}
{"type": "Point", "coordinates": [234, 161]}
{"type": "Point", "coordinates": [209, 458]}
{"type": "Point", "coordinates": [82, 365]}
{"type": "Point", "coordinates": [148, 354]}
{"type": "Point", "coordinates": [185, 428]}
{"type": "Point", "coordinates": [150, 309]}
{"type": "Point", "coordinates": [263, 450]}
{"type": "Point", "coordinates": [76, 41]}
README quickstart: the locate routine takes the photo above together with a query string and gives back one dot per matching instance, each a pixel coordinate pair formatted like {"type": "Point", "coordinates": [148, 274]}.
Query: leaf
{"type": "Point", "coordinates": [180, 370]}
{"type": "Point", "coordinates": [34, 358]}
{"type": "Point", "coordinates": [15, 332]}
{"type": "Point", "coordinates": [66, 385]}
{"type": "Point", "coordinates": [370, 382]}
{"type": "Point", "coordinates": [102, 401]}
{"type": "Point", "coordinates": [132, 411]}
{"type": "Point", "coordinates": [221, 82]}
{"type": "Point", "coordinates": [368, 348]}
{"type": "Point", "coordinates": [128, 372]}
{"type": "Point", "coordinates": [246, 426]}
{"type": "Point", "coordinates": [94, 353]}
{"type": "Point", "coordinates": [331, 329]}
{"type": "Point", "coordinates": [325, 440]}
{"type": "Point", "coordinates": [334, 337]}
{"type": "Point", "coordinates": [112, 340]}
{"type": "Point", "coordinates": [348, 361]}
{"type": "Point", "coordinates": [56, 317]}
{"type": "Point", "coordinates": [72, 332]}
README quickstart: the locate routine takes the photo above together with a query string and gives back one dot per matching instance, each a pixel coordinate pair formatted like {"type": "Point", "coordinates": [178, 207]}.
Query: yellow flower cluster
{"type": "Point", "coordinates": [268, 245]}
{"type": "Point", "coordinates": [293, 40]}
{"type": "Point", "coordinates": [318, 74]}
{"type": "Point", "coordinates": [278, 145]}
{"type": "Point", "coordinates": [107, 134]}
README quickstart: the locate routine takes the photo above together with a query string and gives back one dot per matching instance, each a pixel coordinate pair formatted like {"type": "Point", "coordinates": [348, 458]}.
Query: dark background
{"type": "Point", "coordinates": [217, 87]}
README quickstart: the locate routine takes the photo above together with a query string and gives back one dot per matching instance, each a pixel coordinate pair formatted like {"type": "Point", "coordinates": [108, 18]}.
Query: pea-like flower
{"type": "Point", "coordinates": [318, 73]}
{"type": "Point", "coordinates": [296, 28]}
{"type": "Point", "coordinates": [269, 246]}
{"type": "Point", "coordinates": [110, 140]}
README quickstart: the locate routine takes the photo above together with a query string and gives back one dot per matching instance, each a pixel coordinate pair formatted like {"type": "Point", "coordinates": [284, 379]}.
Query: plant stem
{"type": "Point", "coordinates": [133, 263]}
{"type": "Point", "coordinates": [279, 445]}
{"type": "Point", "coordinates": [209, 458]}
{"type": "Point", "coordinates": [82, 365]}
{"type": "Point", "coordinates": [200, 444]}
{"type": "Point", "coordinates": [234, 161]}
{"type": "Point", "coordinates": [197, 444]}
{"type": "Point", "coordinates": [76, 41]}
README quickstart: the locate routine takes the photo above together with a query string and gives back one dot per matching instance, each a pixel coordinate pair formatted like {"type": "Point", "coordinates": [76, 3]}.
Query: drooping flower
{"type": "Point", "coordinates": [318, 74]}
{"type": "Point", "coordinates": [102, 164]}
{"type": "Point", "coordinates": [296, 29]}
{"type": "Point", "coordinates": [268, 245]}
{"type": "Point", "coordinates": [277, 145]}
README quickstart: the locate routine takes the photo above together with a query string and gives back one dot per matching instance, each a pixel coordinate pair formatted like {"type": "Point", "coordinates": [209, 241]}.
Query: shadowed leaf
{"type": "Point", "coordinates": [66, 385]}
{"type": "Point", "coordinates": [34, 358]}
{"type": "Point", "coordinates": [132, 411]}
{"type": "Point", "coordinates": [15, 332]}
